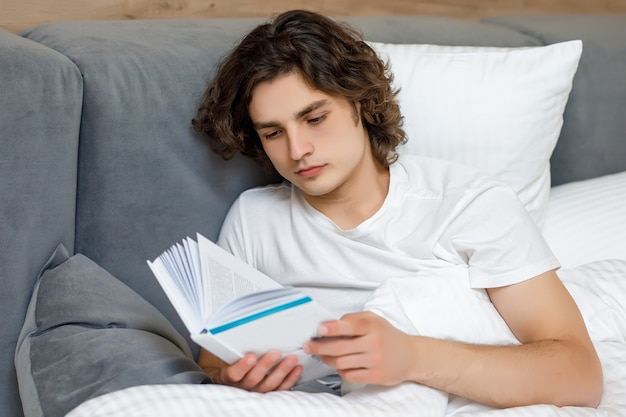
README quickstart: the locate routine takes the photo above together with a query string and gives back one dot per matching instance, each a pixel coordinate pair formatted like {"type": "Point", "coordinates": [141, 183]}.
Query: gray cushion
{"type": "Point", "coordinates": [40, 106]}
{"type": "Point", "coordinates": [87, 334]}
{"type": "Point", "coordinates": [592, 140]}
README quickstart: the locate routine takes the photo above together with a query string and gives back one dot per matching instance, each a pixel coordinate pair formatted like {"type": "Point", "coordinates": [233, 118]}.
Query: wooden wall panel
{"type": "Point", "coordinates": [16, 15]}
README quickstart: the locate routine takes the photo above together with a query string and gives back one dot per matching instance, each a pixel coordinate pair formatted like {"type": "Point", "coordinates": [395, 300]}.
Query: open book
{"type": "Point", "coordinates": [231, 309]}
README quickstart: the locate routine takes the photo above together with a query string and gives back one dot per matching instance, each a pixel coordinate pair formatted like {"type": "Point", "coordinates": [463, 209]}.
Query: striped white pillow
{"type": "Point", "coordinates": [498, 109]}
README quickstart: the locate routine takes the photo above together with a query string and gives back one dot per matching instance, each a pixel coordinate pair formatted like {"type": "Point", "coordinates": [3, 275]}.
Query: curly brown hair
{"type": "Point", "coordinates": [332, 57]}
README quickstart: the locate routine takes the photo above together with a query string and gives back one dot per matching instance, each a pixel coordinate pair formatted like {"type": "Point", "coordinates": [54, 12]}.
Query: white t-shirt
{"type": "Point", "coordinates": [436, 215]}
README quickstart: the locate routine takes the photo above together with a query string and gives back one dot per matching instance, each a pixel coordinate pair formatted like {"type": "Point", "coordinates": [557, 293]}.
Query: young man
{"type": "Point", "coordinates": [307, 95]}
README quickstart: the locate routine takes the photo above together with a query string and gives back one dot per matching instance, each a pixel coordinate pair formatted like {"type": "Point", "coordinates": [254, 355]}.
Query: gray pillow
{"type": "Point", "coordinates": [87, 334]}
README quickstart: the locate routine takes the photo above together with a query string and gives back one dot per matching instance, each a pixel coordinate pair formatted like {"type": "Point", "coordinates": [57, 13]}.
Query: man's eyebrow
{"type": "Point", "coordinates": [311, 107]}
{"type": "Point", "coordinates": [264, 125]}
{"type": "Point", "coordinates": [308, 109]}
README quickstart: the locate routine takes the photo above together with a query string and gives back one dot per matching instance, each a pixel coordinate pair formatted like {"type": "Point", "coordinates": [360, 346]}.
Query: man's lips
{"type": "Point", "coordinates": [310, 171]}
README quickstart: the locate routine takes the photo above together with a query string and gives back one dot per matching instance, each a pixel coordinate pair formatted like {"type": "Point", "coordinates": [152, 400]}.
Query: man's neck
{"type": "Point", "coordinates": [356, 201]}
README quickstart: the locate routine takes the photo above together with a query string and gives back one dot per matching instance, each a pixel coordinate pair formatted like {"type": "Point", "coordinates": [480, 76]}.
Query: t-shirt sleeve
{"type": "Point", "coordinates": [493, 234]}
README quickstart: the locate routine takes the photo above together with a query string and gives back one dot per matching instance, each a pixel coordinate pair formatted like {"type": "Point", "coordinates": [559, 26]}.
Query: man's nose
{"type": "Point", "coordinates": [299, 145]}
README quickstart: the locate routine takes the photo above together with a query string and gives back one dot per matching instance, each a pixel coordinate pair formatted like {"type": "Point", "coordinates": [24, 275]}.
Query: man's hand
{"type": "Point", "coordinates": [270, 372]}
{"type": "Point", "coordinates": [365, 348]}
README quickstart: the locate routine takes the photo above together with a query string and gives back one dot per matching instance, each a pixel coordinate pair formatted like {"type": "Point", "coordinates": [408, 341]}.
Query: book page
{"type": "Point", "coordinates": [199, 277]}
{"type": "Point", "coordinates": [172, 285]}
{"type": "Point", "coordinates": [226, 277]}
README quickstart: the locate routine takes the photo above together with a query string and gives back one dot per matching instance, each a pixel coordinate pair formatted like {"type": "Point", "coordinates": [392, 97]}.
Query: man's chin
{"type": "Point", "coordinates": [317, 191]}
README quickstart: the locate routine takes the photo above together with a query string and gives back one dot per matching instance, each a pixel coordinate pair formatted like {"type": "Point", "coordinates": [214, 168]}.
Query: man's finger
{"type": "Point", "coordinates": [350, 325]}
{"type": "Point", "coordinates": [278, 374]}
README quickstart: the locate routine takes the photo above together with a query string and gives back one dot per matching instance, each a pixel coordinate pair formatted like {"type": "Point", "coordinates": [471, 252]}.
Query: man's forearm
{"type": "Point", "coordinates": [544, 372]}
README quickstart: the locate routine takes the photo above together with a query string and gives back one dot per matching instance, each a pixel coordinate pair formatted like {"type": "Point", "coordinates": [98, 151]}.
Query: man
{"type": "Point", "coordinates": [307, 95]}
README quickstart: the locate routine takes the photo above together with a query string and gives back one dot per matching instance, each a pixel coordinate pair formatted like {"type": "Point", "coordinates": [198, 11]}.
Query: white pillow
{"type": "Point", "coordinates": [586, 220]}
{"type": "Point", "coordinates": [498, 109]}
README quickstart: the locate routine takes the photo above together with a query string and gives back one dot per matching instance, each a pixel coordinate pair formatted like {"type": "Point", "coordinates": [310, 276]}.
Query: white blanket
{"type": "Point", "coordinates": [435, 305]}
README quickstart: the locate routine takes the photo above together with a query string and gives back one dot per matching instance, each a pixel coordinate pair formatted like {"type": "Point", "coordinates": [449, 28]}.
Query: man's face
{"type": "Point", "coordinates": [314, 140]}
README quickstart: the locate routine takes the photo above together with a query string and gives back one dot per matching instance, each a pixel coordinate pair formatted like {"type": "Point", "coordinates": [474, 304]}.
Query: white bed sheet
{"type": "Point", "coordinates": [599, 288]}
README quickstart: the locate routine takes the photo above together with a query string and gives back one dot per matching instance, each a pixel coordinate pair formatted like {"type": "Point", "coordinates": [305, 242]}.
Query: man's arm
{"type": "Point", "coordinates": [556, 363]}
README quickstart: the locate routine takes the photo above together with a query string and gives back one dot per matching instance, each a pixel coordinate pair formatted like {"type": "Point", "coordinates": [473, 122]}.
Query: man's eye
{"type": "Point", "coordinates": [316, 120]}
{"type": "Point", "coordinates": [272, 134]}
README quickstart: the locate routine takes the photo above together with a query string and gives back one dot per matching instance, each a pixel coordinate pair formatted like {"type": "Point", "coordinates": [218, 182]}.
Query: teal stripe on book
{"type": "Point", "coordinates": [259, 315]}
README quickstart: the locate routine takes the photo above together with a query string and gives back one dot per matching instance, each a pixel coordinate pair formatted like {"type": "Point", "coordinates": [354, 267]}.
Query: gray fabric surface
{"type": "Point", "coordinates": [40, 106]}
{"type": "Point", "coordinates": [437, 30]}
{"type": "Point", "coordinates": [593, 139]}
{"type": "Point", "coordinates": [87, 334]}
